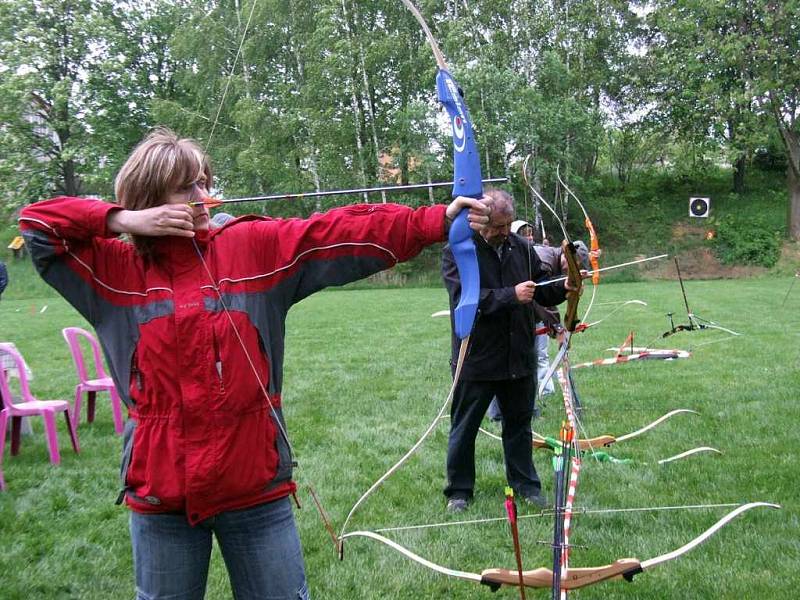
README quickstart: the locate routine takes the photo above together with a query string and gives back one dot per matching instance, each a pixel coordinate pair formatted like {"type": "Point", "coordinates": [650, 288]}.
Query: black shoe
{"type": "Point", "coordinates": [457, 505]}
{"type": "Point", "coordinates": [537, 500]}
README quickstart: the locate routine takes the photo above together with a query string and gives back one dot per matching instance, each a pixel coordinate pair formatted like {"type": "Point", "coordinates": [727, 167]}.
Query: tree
{"type": "Point", "coordinates": [74, 94]}
{"type": "Point", "coordinates": [778, 87]}
{"type": "Point", "coordinates": [699, 73]}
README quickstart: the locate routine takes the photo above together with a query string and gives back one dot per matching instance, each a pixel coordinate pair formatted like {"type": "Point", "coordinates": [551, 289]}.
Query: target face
{"type": "Point", "coordinates": [699, 207]}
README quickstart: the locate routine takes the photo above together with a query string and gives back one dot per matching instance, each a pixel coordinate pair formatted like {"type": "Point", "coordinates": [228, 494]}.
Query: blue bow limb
{"type": "Point", "coordinates": [467, 182]}
{"type": "Point", "coordinates": [466, 160]}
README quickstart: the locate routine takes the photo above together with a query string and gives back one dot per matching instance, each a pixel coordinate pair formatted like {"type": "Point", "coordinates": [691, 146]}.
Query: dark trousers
{"type": "Point", "coordinates": [470, 401]}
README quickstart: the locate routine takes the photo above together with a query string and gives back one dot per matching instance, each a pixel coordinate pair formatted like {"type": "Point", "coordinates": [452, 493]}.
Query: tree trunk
{"type": "Point", "coordinates": [791, 143]}
{"type": "Point", "coordinates": [793, 218]}
{"type": "Point", "coordinates": [72, 186]}
{"type": "Point", "coordinates": [739, 169]}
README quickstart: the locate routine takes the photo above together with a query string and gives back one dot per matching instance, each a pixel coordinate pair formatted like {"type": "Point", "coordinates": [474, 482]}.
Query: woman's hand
{"type": "Point", "coordinates": [479, 211]}
{"type": "Point", "coordinates": [167, 219]}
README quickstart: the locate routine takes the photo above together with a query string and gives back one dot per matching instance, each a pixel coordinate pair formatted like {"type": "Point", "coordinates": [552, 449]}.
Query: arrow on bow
{"type": "Point", "coordinates": [211, 202]}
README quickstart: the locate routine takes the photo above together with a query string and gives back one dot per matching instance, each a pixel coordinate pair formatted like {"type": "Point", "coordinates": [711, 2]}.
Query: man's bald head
{"type": "Point", "coordinates": [502, 205]}
{"type": "Point", "coordinates": [501, 217]}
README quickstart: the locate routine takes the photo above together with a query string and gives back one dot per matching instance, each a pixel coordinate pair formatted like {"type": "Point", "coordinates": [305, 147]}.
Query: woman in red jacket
{"type": "Point", "coordinates": [192, 323]}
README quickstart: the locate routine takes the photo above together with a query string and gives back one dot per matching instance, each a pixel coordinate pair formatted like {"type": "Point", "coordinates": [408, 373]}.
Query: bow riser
{"type": "Point", "coordinates": [576, 282]}
{"type": "Point", "coordinates": [575, 578]}
{"type": "Point", "coordinates": [466, 182]}
{"type": "Point", "coordinates": [463, 248]}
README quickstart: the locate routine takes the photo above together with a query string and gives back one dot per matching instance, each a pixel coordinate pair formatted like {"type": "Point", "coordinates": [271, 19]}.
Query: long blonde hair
{"type": "Point", "coordinates": [159, 165]}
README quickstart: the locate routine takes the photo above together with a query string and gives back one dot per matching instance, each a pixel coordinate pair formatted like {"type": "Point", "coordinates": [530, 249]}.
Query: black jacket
{"type": "Point", "coordinates": [501, 345]}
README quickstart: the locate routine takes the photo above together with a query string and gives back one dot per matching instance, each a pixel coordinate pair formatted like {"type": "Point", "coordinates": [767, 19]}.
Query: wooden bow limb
{"type": "Point", "coordinates": [574, 578]}
{"type": "Point", "coordinates": [594, 243]}
{"type": "Point", "coordinates": [573, 276]}
{"type": "Point", "coordinates": [688, 453]}
{"type": "Point", "coordinates": [626, 568]}
{"type": "Point", "coordinates": [583, 443]}
{"type": "Point", "coordinates": [575, 289]}
{"type": "Point", "coordinates": [541, 441]}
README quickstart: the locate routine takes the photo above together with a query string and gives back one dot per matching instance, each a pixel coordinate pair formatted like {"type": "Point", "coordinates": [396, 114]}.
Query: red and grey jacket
{"type": "Point", "coordinates": [201, 438]}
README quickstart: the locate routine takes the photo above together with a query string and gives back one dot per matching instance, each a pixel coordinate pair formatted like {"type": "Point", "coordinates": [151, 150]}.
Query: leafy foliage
{"type": "Point", "coordinates": [747, 240]}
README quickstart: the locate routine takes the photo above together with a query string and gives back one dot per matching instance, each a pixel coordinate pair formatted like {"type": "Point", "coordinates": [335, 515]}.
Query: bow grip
{"type": "Point", "coordinates": [463, 248]}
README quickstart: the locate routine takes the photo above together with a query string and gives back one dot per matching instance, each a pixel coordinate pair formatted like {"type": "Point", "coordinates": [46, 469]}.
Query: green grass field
{"type": "Point", "coordinates": [366, 371]}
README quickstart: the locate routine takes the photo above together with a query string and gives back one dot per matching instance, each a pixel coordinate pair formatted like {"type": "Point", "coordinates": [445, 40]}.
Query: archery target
{"type": "Point", "coordinates": [699, 207]}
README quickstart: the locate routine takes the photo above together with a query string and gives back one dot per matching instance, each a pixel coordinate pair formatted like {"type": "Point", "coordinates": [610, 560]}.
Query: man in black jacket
{"type": "Point", "coordinates": [501, 358]}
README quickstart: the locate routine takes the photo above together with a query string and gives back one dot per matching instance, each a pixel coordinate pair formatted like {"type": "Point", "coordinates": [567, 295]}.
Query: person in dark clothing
{"type": "Point", "coordinates": [501, 360]}
{"type": "Point", "coordinates": [3, 277]}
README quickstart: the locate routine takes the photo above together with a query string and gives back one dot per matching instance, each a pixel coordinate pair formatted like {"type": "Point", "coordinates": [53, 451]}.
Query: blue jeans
{"type": "Point", "coordinates": [260, 547]}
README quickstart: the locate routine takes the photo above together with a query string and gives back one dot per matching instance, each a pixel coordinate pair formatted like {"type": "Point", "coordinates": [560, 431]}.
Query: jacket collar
{"type": "Point", "coordinates": [179, 254]}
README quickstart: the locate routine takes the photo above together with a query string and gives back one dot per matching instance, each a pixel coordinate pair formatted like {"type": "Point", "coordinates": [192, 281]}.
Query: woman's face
{"type": "Point", "coordinates": [193, 192]}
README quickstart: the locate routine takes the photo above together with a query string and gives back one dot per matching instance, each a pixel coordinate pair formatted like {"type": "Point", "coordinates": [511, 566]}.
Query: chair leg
{"type": "Point", "coordinates": [73, 433]}
{"type": "Point", "coordinates": [3, 424]}
{"type": "Point", "coordinates": [76, 408]}
{"type": "Point", "coordinates": [16, 429]}
{"type": "Point", "coordinates": [116, 407]}
{"type": "Point", "coordinates": [52, 436]}
{"type": "Point", "coordinates": [90, 407]}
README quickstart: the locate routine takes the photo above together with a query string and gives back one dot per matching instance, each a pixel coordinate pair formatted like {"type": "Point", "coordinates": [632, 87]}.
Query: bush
{"type": "Point", "coordinates": [747, 241]}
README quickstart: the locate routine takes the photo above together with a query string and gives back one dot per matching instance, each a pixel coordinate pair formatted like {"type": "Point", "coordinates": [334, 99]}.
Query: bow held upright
{"type": "Point", "coordinates": [467, 181]}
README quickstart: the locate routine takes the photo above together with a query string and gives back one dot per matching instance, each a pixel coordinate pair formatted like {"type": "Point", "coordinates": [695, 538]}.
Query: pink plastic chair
{"type": "Point", "coordinates": [101, 383]}
{"type": "Point", "coordinates": [29, 406]}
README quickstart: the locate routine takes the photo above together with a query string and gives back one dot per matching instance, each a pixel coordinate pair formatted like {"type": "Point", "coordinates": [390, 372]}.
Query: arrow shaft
{"type": "Point", "coordinates": [619, 266]}
{"type": "Point", "coordinates": [351, 192]}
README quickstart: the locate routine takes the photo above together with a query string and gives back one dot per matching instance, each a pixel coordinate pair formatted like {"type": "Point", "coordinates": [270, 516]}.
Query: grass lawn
{"type": "Point", "coordinates": [366, 371]}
